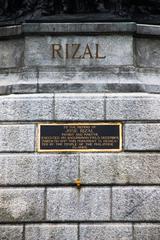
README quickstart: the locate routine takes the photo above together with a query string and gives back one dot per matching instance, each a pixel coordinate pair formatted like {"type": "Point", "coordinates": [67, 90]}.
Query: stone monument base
{"type": "Point", "coordinates": [111, 74]}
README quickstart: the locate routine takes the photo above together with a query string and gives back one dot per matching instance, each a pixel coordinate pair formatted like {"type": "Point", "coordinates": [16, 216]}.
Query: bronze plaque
{"type": "Point", "coordinates": [80, 137]}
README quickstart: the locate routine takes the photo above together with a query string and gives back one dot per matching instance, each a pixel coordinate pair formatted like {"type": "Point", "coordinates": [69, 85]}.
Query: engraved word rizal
{"type": "Point", "coordinates": [77, 51]}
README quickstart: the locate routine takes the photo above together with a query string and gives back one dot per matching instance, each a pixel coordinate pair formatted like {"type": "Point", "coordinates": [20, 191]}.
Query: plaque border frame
{"type": "Point", "coordinates": [120, 149]}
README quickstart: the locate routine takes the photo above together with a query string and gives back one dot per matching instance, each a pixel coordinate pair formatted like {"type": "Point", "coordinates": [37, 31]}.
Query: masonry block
{"type": "Point", "coordinates": [28, 169]}
{"type": "Point", "coordinates": [136, 204]}
{"type": "Point", "coordinates": [116, 50]}
{"type": "Point", "coordinates": [147, 52]}
{"type": "Point", "coordinates": [123, 168]}
{"type": "Point", "coordinates": [132, 106]}
{"type": "Point", "coordinates": [21, 204]}
{"type": "Point", "coordinates": [106, 232]}
{"type": "Point", "coordinates": [79, 106]}
{"type": "Point", "coordinates": [31, 107]}
{"type": "Point", "coordinates": [71, 204]}
{"type": "Point", "coordinates": [147, 231]}
{"type": "Point", "coordinates": [17, 138]}
{"type": "Point", "coordinates": [142, 137]}
{"type": "Point", "coordinates": [50, 232]}
{"type": "Point", "coordinates": [8, 232]}
{"type": "Point", "coordinates": [11, 53]}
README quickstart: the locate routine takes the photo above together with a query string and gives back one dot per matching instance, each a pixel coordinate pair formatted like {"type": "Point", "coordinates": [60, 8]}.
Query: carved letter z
{"type": "Point", "coordinates": [76, 51]}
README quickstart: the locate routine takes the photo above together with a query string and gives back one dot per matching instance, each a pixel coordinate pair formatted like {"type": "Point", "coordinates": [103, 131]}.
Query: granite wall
{"type": "Point", "coordinates": [119, 197]}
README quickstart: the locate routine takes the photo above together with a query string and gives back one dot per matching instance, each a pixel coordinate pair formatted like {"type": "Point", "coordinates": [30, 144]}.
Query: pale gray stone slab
{"type": "Point", "coordinates": [62, 204]}
{"type": "Point", "coordinates": [71, 204]}
{"type": "Point", "coordinates": [117, 49]}
{"type": "Point", "coordinates": [27, 107]}
{"type": "Point", "coordinates": [11, 53]}
{"type": "Point", "coordinates": [148, 52]}
{"type": "Point", "coordinates": [8, 232]}
{"type": "Point", "coordinates": [58, 168]}
{"type": "Point", "coordinates": [136, 203]}
{"type": "Point", "coordinates": [106, 232]}
{"type": "Point", "coordinates": [51, 232]}
{"type": "Point", "coordinates": [147, 231]}
{"type": "Point", "coordinates": [80, 106]}
{"type": "Point", "coordinates": [21, 204]}
{"type": "Point", "coordinates": [17, 138]}
{"type": "Point", "coordinates": [132, 106]}
{"type": "Point", "coordinates": [142, 137]}
{"type": "Point", "coordinates": [133, 168]}
{"type": "Point", "coordinates": [95, 204]}
{"type": "Point", "coordinates": [29, 169]}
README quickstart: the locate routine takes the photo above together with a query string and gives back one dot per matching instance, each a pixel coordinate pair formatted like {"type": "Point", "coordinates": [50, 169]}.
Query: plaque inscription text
{"type": "Point", "coordinates": [80, 137]}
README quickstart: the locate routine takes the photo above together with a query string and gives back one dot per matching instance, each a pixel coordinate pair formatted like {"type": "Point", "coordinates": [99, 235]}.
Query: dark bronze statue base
{"type": "Point", "coordinates": [19, 11]}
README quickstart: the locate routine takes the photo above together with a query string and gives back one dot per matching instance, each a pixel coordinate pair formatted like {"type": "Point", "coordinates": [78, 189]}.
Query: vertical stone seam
{"type": "Point", "coordinates": [78, 233]}
{"type": "Point", "coordinates": [133, 236]}
{"type": "Point", "coordinates": [6, 167]}
{"type": "Point", "coordinates": [45, 204]}
{"type": "Point", "coordinates": [111, 203]}
{"type": "Point", "coordinates": [23, 233]}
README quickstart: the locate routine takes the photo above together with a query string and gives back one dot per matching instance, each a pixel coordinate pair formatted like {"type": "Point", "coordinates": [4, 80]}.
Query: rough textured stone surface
{"type": "Point", "coordinates": [136, 106]}
{"type": "Point", "coordinates": [21, 204]}
{"type": "Point", "coordinates": [29, 107]}
{"type": "Point", "coordinates": [11, 232]}
{"type": "Point", "coordinates": [142, 137]}
{"type": "Point", "coordinates": [17, 138]}
{"type": "Point", "coordinates": [106, 232]}
{"type": "Point", "coordinates": [147, 231]}
{"type": "Point", "coordinates": [29, 169]}
{"type": "Point", "coordinates": [148, 52]}
{"type": "Point", "coordinates": [117, 49]}
{"type": "Point", "coordinates": [70, 204]}
{"type": "Point", "coordinates": [79, 106]}
{"type": "Point", "coordinates": [132, 168]}
{"type": "Point", "coordinates": [11, 53]}
{"type": "Point", "coordinates": [136, 203]}
{"type": "Point", "coordinates": [50, 232]}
